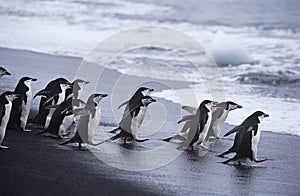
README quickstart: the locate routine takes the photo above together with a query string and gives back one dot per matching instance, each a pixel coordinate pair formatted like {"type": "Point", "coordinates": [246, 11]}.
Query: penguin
{"type": "Point", "coordinates": [6, 100]}
{"type": "Point", "coordinates": [88, 123]}
{"type": "Point", "coordinates": [198, 125]}
{"type": "Point", "coordinates": [21, 107]}
{"type": "Point", "coordinates": [63, 116]}
{"type": "Point", "coordinates": [246, 139]}
{"type": "Point", "coordinates": [219, 116]}
{"type": "Point", "coordinates": [51, 89]}
{"type": "Point", "coordinates": [56, 99]}
{"type": "Point", "coordinates": [131, 103]}
{"type": "Point", "coordinates": [132, 121]}
{"type": "Point", "coordinates": [3, 72]}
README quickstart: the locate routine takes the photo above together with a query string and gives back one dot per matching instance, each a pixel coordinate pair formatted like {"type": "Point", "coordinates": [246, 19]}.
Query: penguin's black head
{"type": "Point", "coordinates": [27, 80]}
{"type": "Point", "coordinates": [146, 100]}
{"type": "Point", "coordinates": [98, 96]}
{"type": "Point", "coordinates": [10, 96]}
{"type": "Point", "coordinates": [232, 106]}
{"type": "Point", "coordinates": [208, 104]}
{"type": "Point", "coordinates": [80, 82]}
{"type": "Point", "coordinates": [144, 90]}
{"type": "Point", "coordinates": [260, 115]}
{"type": "Point", "coordinates": [3, 71]}
{"type": "Point", "coordinates": [65, 85]}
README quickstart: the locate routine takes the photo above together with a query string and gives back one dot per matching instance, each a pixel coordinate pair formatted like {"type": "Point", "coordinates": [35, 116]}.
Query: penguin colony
{"type": "Point", "coordinates": [63, 114]}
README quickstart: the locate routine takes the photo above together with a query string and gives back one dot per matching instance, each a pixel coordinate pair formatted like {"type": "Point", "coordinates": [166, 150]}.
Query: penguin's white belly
{"type": "Point", "coordinates": [255, 141]}
{"type": "Point", "coordinates": [205, 129]}
{"type": "Point", "coordinates": [66, 123]}
{"type": "Point", "coordinates": [26, 109]}
{"type": "Point", "coordinates": [4, 121]}
{"type": "Point", "coordinates": [93, 124]}
{"type": "Point", "coordinates": [218, 124]}
{"type": "Point", "coordinates": [49, 116]}
{"type": "Point", "coordinates": [137, 120]}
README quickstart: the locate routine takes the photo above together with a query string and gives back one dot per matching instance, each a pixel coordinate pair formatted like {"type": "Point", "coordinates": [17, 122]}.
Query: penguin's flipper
{"type": "Point", "coordinates": [186, 118]}
{"type": "Point", "coordinates": [49, 100]}
{"type": "Point", "coordinates": [115, 130]}
{"type": "Point", "coordinates": [189, 109]}
{"type": "Point", "coordinates": [78, 102]}
{"type": "Point", "coordinates": [235, 129]}
{"type": "Point", "coordinates": [141, 140]}
{"type": "Point", "coordinates": [260, 160]}
{"type": "Point", "coordinates": [51, 106]}
{"type": "Point", "coordinates": [107, 140]}
{"type": "Point", "coordinates": [125, 103]}
{"type": "Point", "coordinates": [42, 93]}
{"type": "Point", "coordinates": [66, 142]}
{"type": "Point", "coordinates": [81, 112]}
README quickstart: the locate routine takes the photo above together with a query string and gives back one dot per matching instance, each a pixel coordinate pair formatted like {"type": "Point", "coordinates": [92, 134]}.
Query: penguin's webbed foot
{"type": "Point", "coordinates": [260, 160]}
{"type": "Point", "coordinates": [4, 147]}
{"type": "Point", "coordinates": [26, 130]}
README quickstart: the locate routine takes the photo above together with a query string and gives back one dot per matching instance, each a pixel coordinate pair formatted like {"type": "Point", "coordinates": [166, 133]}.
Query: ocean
{"type": "Point", "coordinates": [255, 44]}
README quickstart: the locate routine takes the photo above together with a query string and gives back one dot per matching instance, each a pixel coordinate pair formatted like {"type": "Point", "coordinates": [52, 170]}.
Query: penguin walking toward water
{"type": "Point", "coordinates": [219, 116]}
{"type": "Point", "coordinates": [51, 89]}
{"type": "Point", "coordinates": [246, 139]}
{"type": "Point", "coordinates": [21, 107]}
{"type": "Point", "coordinates": [88, 123]}
{"type": "Point", "coordinates": [131, 103]}
{"type": "Point", "coordinates": [63, 116]}
{"type": "Point", "coordinates": [55, 99]}
{"type": "Point", "coordinates": [198, 125]}
{"type": "Point", "coordinates": [3, 72]}
{"type": "Point", "coordinates": [132, 120]}
{"type": "Point", "coordinates": [6, 100]}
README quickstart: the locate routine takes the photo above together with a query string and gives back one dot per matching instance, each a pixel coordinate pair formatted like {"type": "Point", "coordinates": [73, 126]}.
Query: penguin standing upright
{"type": "Point", "coordinates": [219, 116]}
{"type": "Point", "coordinates": [132, 120]}
{"type": "Point", "coordinates": [3, 72]}
{"type": "Point", "coordinates": [6, 100]}
{"type": "Point", "coordinates": [131, 103]}
{"type": "Point", "coordinates": [21, 107]}
{"type": "Point", "coordinates": [51, 89]}
{"type": "Point", "coordinates": [63, 116]}
{"type": "Point", "coordinates": [198, 125]}
{"type": "Point", "coordinates": [56, 99]}
{"type": "Point", "coordinates": [246, 139]}
{"type": "Point", "coordinates": [88, 123]}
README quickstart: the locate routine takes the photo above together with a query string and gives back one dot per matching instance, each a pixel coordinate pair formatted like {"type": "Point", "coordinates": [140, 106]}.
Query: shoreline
{"type": "Point", "coordinates": [37, 165]}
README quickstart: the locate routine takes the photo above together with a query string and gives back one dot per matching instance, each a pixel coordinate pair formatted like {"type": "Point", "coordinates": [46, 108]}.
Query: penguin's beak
{"type": "Point", "coordinates": [266, 115]}
{"type": "Point", "coordinates": [86, 82]}
{"type": "Point", "coordinates": [7, 73]}
{"type": "Point", "coordinates": [151, 89]}
{"type": "Point", "coordinates": [153, 100]}
{"type": "Point", "coordinates": [104, 95]}
{"type": "Point", "coordinates": [34, 79]}
{"type": "Point", "coordinates": [69, 85]}
{"type": "Point", "coordinates": [239, 106]}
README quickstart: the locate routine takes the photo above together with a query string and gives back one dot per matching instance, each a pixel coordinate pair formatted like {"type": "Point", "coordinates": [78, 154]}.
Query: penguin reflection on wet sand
{"type": "Point", "coordinates": [88, 122]}
{"type": "Point", "coordinates": [246, 139]}
{"type": "Point", "coordinates": [3, 72]}
{"type": "Point", "coordinates": [21, 107]}
{"type": "Point", "coordinates": [132, 121]}
{"type": "Point", "coordinates": [6, 100]}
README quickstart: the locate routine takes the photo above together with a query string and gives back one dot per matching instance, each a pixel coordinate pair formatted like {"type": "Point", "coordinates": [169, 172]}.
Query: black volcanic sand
{"type": "Point", "coordinates": [37, 165]}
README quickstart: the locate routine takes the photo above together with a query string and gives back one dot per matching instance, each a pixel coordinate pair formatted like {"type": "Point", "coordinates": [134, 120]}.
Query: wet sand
{"type": "Point", "coordinates": [37, 165]}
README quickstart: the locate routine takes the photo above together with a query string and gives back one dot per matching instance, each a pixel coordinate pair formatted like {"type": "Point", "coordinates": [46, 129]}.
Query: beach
{"type": "Point", "coordinates": [38, 165]}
